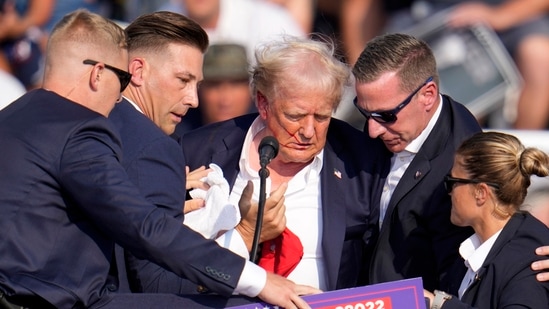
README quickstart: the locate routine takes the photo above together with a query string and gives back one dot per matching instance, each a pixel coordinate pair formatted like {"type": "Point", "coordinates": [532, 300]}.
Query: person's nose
{"type": "Point", "coordinates": [192, 98]}
{"type": "Point", "coordinates": [308, 127]}
{"type": "Point", "coordinates": [375, 129]}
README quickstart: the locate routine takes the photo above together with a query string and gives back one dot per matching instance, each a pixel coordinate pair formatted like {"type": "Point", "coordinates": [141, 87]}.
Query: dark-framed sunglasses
{"type": "Point", "coordinates": [450, 181]}
{"type": "Point", "coordinates": [123, 76]}
{"type": "Point", "coordinates": [389, 116]}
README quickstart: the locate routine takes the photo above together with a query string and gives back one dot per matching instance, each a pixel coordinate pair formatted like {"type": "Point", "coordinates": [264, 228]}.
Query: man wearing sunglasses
{"type": "Point", "coordinates": [65, 198]}
{"type": "Point", "coordinates": [418, 130]}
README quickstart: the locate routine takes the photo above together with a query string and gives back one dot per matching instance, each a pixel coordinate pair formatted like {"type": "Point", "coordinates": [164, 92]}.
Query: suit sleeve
{"type": "Point", "coordinates": [521, 291]}
{"type": "Point", "coordinates": [99, 186]}
{"type": "Point", "coordinates": [158, 171]}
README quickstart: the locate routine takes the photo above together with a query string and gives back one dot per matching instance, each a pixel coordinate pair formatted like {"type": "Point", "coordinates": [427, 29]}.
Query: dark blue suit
{"type": "Point", "coordinates": [64, 201]}
{"type": "Point", "coordinates": [155, 164]}
{"type": "Point", "coordinates": [345, 200]}
{"type": "Point", "coordinates": [506, 280]}
{"type": "Point", "coordinates": [417, 238]}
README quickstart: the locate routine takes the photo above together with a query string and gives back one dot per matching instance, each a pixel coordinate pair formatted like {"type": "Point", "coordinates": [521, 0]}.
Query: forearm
{"type": "Point", "coordinates": [514, 12]}
{"type": "Point", "coordinates": [359, 22]}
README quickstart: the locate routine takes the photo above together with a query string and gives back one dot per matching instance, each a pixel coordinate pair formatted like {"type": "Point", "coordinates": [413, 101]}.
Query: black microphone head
{"type": "Point", "coordinates": [268, 149]}
{"type": "Point", "coordinates": [269, 141]}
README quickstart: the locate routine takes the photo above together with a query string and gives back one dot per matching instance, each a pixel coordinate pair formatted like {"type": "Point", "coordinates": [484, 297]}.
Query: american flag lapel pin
{"type": "Point", "coordinates": [337, 173]}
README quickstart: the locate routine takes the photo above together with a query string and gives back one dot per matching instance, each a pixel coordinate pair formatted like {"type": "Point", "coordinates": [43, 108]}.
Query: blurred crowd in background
{"type": "Point", "coordinates": [514, 70]}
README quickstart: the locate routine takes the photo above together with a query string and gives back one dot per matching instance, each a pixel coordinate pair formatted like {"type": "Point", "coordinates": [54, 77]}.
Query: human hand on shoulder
{"type": "Point", "coordinates": [542, 265]}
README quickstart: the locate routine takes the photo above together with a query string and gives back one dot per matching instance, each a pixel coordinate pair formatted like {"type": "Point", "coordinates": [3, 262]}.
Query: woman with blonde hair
{"type": "Point", "coordinates": [488, 184]}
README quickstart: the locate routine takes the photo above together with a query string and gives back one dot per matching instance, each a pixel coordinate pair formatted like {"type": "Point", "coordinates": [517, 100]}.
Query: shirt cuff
{"type": "Point", "coordinates": [234, 242]}
{"type": "Point", "coordinates": [252, 280]}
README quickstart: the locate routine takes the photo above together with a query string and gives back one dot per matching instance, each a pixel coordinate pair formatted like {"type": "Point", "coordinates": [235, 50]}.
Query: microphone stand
{"type": "Point", "coordinates": [263, 174]}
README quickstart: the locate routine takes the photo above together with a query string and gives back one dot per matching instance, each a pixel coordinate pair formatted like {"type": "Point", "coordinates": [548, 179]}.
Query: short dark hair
{"type": "Point", "coordinates": [411, 58]}
{"type": "Point", "coordinates": [153, 31]}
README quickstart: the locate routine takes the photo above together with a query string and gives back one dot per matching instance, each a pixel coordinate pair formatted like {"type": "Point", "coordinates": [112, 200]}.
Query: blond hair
{"type": "Point", "coordinates": [502, 159]}
{"type": "Point", "coordinates": [82, 34]}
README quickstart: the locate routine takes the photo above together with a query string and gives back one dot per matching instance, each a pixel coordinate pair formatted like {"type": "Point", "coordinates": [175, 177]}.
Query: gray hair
{"type": "Point", "coordinates": [286, 67]}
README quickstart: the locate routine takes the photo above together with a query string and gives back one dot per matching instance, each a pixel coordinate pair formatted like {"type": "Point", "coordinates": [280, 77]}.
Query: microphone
{"type": "Point", "coordinates": [268, 149]}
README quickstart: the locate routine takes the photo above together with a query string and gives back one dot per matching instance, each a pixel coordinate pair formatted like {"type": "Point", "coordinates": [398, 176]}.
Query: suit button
{"type": "Point", "coordinates": [112, 287]}
{"type": "Point", "coordinates": [202, 289]}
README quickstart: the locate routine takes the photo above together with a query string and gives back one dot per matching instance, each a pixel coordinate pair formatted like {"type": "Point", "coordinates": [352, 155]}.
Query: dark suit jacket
{"type": "Point", "coordinates": [345, 200]}
{"type": "Point", "coordinates": [155, 164]}
{"type": "Point", "coordinates": [417, 238]}
{"type": "Point", "coordinates": [506, 280]}
{"type": "Point", "coordinates": [64, 201]}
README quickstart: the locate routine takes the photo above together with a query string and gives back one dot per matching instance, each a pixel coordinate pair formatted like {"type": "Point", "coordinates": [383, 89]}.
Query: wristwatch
{"type": "Point", "coordinates": [440, 298]}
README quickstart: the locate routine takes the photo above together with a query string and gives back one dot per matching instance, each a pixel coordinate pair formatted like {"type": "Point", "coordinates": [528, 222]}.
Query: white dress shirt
{"type": "Point", "coordinates": [474, 253]}
{"type": "Point", "coordinates": [303, 213]}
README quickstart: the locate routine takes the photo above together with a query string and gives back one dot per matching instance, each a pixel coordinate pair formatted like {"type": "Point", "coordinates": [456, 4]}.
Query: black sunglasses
{"type": "Point", "coordinates": [389, 116]}
{"type": "Point", "coordinates": [123, 76]}
{"type": "Point", "coordinates": [450, 181]}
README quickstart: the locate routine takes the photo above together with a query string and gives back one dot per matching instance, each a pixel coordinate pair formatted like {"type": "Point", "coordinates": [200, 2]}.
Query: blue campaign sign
{"type": "Point", "coordinates": [402, 294]}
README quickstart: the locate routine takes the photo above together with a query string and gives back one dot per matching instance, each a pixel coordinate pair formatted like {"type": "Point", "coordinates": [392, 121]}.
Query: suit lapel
{"type": "Point", "coordinates": [332, 178]}
{"type": "Point", "coordinates": [227, 142]}
{"type": "Point", "coordinates": [421, 164]}
{"type": "Point", "coordinates": [509, 230]}
{"type": "Point", "coordinates": [416, 171]}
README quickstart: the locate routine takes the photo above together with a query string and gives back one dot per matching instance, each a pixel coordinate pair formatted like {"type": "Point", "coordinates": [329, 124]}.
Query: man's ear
{"type": "Point", "coordinates": [138, 68]}
{"type": "Point", "coordinates": [262, 104]}
{"type": "Point", "coordinates": [430, 94]}
{"type": "Point", "coordinates": [95, 76]}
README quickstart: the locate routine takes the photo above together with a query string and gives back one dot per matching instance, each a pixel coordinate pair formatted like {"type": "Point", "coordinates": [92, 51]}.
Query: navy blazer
{"type": "Point", "coordinates": [505, 279]}
{"type": "Point", "coordinates": [155, 164]}
{"type": "Point", "coordinates": [417, 238]}
{"type": "Point", "coordinates": [65, 199]}
{"type": "Point", "coordinates": [345, 198]}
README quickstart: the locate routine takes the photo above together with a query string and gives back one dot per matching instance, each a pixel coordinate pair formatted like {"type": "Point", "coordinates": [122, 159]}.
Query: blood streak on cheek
{"type": "Point", "coordinates": [292, 134]}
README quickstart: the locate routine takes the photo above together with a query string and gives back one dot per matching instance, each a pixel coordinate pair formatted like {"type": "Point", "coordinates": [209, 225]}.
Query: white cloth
{"type": "Point", "coordinates": [218, 214]}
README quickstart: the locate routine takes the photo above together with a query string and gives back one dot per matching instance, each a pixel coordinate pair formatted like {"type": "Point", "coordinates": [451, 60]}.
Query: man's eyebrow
{"type": "Point", "coordinates": [187, 74]}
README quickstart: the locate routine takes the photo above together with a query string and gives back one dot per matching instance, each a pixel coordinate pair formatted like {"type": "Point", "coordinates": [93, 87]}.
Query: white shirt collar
{"type": "Point", "coordinates": [474, 253]}
{"type": "Point", "coordinates": [416, 144]}
{"type": "Point", "coordinates": [133, 103]}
